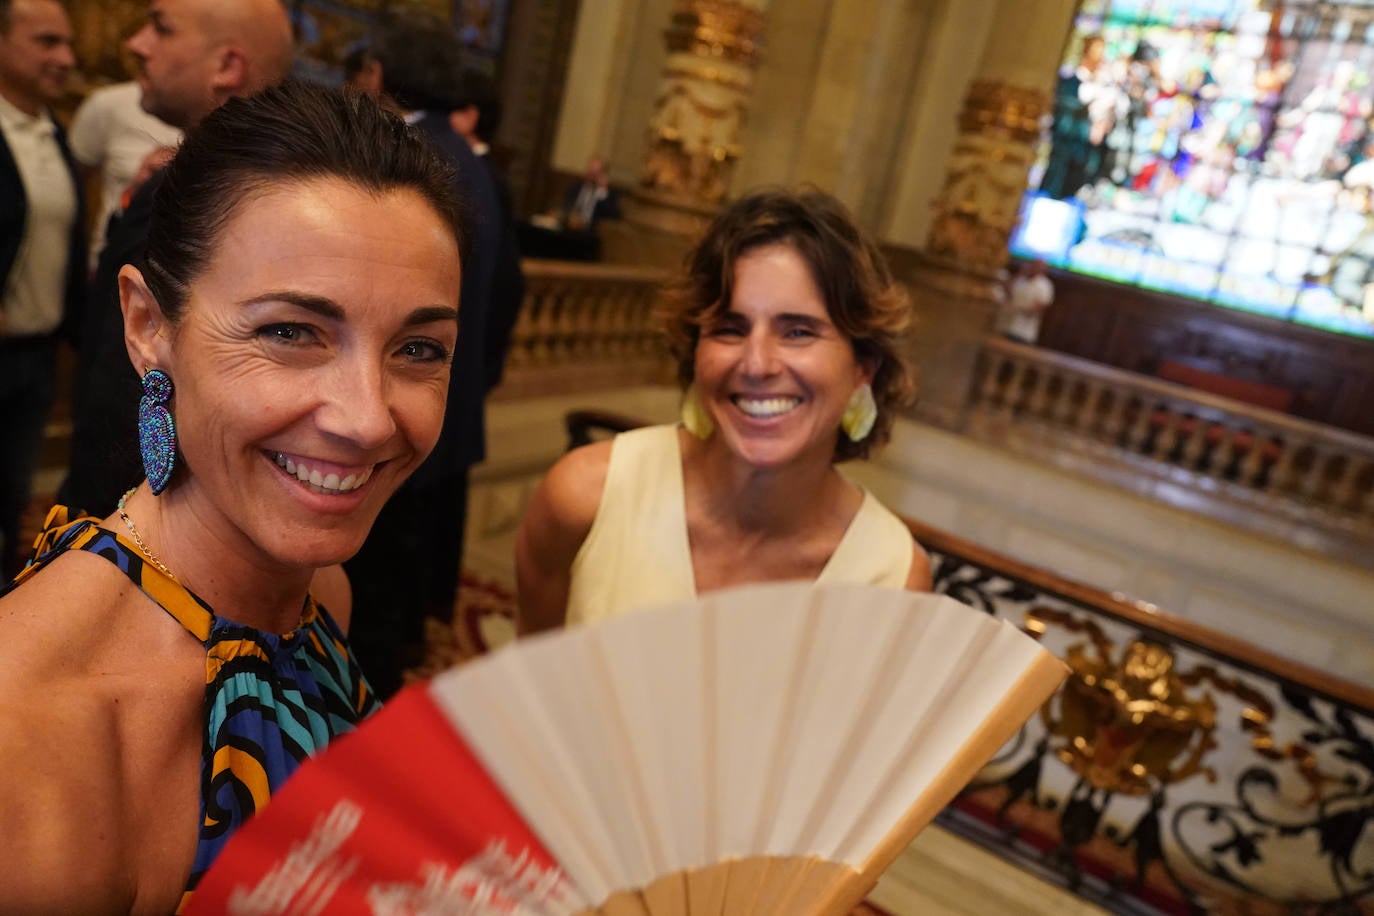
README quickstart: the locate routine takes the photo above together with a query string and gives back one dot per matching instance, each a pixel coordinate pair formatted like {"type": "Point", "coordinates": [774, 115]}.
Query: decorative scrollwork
{"type": "Point", "coordinates": [692, 142]}
{"type": "Point", "coordinates": [1232, 841]}
{"type": "Point", "coordinates": [1104, 785]}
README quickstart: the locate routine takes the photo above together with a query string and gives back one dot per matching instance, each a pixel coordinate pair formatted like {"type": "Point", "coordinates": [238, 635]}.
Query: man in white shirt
{"type": "Point", "coordinates": [42, 254]}
{"type": "Point", "coordinates": [1028, 293]}
{"type": "Point", "coordinates": [193, 56]}
{"type": "Point", "coordinates": [112, 135]}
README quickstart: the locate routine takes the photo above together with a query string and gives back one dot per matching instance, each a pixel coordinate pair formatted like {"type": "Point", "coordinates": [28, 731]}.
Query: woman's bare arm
{"type": "Point", "coordinates": [556, 522]}
{"type": "Point", "coordinates": [62, 821]}
{"type": "Point", "coordinates": [918, 577]}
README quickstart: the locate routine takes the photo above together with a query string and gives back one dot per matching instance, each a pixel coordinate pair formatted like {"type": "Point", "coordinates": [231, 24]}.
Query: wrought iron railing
{"type": "Point", "coordinates": [1179, 770]}
{"type": "Point", "coordinates": [1264, 470]}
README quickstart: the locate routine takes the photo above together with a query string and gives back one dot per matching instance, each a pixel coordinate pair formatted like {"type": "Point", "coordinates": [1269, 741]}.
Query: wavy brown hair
{"type": "Point", "coordinates": [863, 301]}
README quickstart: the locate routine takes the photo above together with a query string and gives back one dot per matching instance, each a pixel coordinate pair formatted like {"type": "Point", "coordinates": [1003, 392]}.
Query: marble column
{"type": "Point", "coordinates": [955, 281]}
{"type": "Point", "coordinates": [693, 143]}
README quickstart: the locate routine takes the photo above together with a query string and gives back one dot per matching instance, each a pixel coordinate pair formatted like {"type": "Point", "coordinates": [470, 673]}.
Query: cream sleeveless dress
{"type": "Point", "coordinates": [636, 554]}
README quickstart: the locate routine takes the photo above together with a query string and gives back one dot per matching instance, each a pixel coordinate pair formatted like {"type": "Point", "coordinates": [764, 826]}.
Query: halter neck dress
{"type": "Point", "coordinates": [271, 701]}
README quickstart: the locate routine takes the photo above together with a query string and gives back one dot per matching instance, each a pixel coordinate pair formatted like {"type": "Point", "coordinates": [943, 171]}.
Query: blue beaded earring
{"type": "Point", "coordinates": [157, 433]}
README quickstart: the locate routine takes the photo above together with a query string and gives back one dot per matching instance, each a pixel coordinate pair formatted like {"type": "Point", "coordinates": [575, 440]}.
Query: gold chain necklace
{"type": "Point", "coordinates": [138, 538]}
{"type": "Point", "coordinates": [152, 558]}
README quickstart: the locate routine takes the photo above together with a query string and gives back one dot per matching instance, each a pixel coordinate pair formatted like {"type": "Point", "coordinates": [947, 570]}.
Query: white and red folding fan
{"type": "Point", "coordinates": [767, 749]}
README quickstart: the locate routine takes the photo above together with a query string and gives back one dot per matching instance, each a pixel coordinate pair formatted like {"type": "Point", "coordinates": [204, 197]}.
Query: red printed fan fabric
{"type": "Point", "coordinates": [365, 829]}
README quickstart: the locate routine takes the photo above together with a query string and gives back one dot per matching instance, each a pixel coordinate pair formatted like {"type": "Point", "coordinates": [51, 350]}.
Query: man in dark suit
{"type": "Point", "coordinates": [591, 200]}
{"type": "Point", "coordinates": [252, 48]}
{"type": "Point", "coordinates": [42, 245]}
{"type": "Point", "coordinates": [408, 568]}
{"type": "Point", "coordinates": [475, 117]}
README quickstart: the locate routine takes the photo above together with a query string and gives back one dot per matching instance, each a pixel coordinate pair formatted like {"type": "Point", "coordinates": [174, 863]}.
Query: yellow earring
{"type": "Point", "coordinates": [695, 419]}
{"type": "Point", "coordinates": [859, 414]}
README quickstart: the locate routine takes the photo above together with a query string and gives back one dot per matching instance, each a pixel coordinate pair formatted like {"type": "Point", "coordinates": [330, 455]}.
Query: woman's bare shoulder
{"type": "Point", "coordinates": [571, 491]}
{"type": "Point", "coordinates": [63, 616]}
{"type": "Point", "coordinates": [557, 521]}
{"type": "Point", "coordinates": [89, 676]}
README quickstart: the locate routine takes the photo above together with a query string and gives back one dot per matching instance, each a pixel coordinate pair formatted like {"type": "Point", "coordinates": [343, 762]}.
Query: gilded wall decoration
{"type": "Point", "coordinates": [694, 131]}
{"type": "Point", "coordinates": [693, 140]}
{"type": "Point", "coordinates": [716, 29]}
{"type": "Point", "coordinates": [975, 211]}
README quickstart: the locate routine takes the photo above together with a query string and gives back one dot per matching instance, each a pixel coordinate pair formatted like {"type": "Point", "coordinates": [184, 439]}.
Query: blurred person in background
{"type": "Point", "coordinates": [590, 199]}
{"type": "Point", "coordinates": [113, 137]}
{"type": "Point", "coordinates": [407, 571]}
{"type": "Point", "coordinates": [1027, 293]}
{"type": "Point", "coordinates": [361, 73]}
{"type": "Point", "coordinates": [42, 244]}
{"type": "Point", "coordinates": [193, 56]}
{"type": "Point", "coordinates": [476, 117]}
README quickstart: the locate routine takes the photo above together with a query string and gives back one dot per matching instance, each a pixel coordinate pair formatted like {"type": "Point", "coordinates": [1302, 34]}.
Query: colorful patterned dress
{"type": "Point", "coordinates": [270, 701]}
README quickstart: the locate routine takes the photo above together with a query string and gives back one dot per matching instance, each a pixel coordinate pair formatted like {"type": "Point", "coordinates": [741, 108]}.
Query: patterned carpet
{"type": "Point", "coordinates": [483, 619]}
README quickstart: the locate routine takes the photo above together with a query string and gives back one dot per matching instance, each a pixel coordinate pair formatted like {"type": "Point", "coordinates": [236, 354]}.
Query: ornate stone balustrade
{"type": "Point", "coordinates": [583, 327]}
{"type": "Point", "coordinates": [1267, 471]}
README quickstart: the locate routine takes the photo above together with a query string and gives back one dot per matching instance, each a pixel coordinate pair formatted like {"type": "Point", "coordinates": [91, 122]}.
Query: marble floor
{"type": "Point", "coordinates": [942, 874]}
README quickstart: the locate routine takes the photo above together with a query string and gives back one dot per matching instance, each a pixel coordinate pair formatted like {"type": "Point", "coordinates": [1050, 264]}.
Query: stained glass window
{"type": "Point", "coordinates": [1217, 149]}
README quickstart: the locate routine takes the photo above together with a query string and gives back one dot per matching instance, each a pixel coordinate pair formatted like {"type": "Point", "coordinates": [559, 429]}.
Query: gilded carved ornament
{"type": "Point", "coordinates": [976, 210]}
{"type": "Point", "coordinates": [1130, 722]}
{"type": "Point", "coordinates": [719, 29]}
{"type": "Point", "coordinates": [1000, 110]}
{"type": "Point", "coordinates": [694, 131]}
{"type": "Point", "coordinates": [693, 141]}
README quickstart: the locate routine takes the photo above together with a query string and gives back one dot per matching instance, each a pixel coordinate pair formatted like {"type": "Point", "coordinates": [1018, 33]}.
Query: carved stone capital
{"type": "Point", "coordinates": [713, 47]}
{"type": "Point", "coordinates": [999, 110]}
{"type": "Point", "coordinates": [976, 210]}
{"type": "Point", "coordinates": [716, 29]}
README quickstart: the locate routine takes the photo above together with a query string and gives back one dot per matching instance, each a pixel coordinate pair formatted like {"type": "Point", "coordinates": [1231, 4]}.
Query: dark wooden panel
{"type": "Point", "coordinates": [1331, 376]}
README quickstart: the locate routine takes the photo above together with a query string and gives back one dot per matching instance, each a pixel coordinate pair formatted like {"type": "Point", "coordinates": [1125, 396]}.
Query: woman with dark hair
{"type": "Point", "coordinates": [164, 670]}
{"type": "Point", "coordinates": [788, 330]}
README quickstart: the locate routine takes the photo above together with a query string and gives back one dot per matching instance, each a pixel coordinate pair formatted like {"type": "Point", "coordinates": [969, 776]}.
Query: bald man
{"type": "Point", "coordinates": [193, 56]}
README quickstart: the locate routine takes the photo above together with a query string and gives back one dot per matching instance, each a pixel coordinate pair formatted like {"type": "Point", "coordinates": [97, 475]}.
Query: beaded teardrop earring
{"type": "Point", "coordinates": [157, 431]}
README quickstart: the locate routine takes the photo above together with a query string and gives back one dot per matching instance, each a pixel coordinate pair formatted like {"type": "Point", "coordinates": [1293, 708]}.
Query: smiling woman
{"type": "Point", "coordinates": [788, 330]}
{"type": "Point", "coordinates": [164, 670]}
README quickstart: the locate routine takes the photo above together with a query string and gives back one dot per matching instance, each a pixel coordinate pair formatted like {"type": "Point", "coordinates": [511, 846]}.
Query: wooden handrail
{"type": "Point", "coordinates": [1141, 613]}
